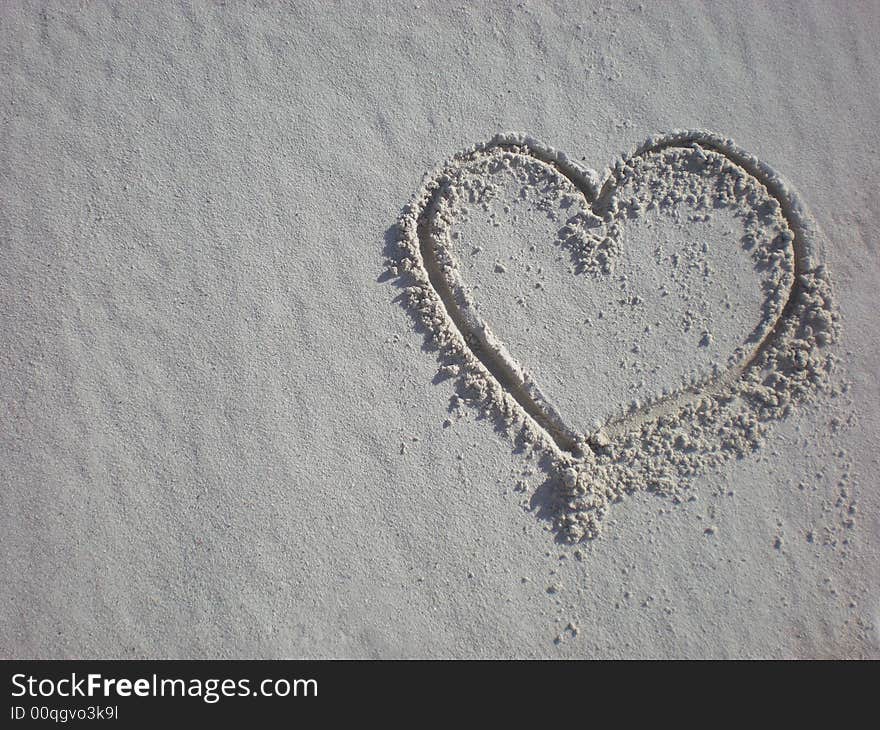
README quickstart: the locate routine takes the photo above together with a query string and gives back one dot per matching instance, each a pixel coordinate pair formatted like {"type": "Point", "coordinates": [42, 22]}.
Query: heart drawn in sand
{"type": "Point", "coordinates": [605, 315]}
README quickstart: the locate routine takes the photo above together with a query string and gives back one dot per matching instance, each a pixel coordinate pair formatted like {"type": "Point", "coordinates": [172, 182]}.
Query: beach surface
{"type": "Point", "coordinates": [226, 431]}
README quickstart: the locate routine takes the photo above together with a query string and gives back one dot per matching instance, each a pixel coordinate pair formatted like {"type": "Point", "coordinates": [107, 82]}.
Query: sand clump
{"type": "Point", "coordinates": [710, 413]}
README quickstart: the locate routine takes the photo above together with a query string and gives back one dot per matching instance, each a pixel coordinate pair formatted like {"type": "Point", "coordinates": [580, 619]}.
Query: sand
{"type": "Point", "coordinates": [657, 280]}
{"type": "Point", "coordinates": [280, 382]}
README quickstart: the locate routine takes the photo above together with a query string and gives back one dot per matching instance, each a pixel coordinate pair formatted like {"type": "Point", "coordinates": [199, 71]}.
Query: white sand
{"type": "Point", "coordinates": [224, 437]}
{"type": "Point", "coordinates": [643, 261]}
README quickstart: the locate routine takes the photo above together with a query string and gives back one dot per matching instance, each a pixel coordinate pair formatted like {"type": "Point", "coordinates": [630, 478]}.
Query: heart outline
{"type": "Point", "coordinates": [442, 303]}
{"type": "Point", "coordinates": [493, 354]}
{"type": "Point", "coordinates": [795, 363]}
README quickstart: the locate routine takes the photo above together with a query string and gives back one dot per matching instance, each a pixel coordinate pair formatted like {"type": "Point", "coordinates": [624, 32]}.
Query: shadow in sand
{"type": "Point", "coordinates": [548, 500]}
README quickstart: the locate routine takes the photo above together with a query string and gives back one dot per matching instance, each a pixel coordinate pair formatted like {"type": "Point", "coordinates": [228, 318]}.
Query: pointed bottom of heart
{"type": "Point", "coordinates": [660, 444]}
